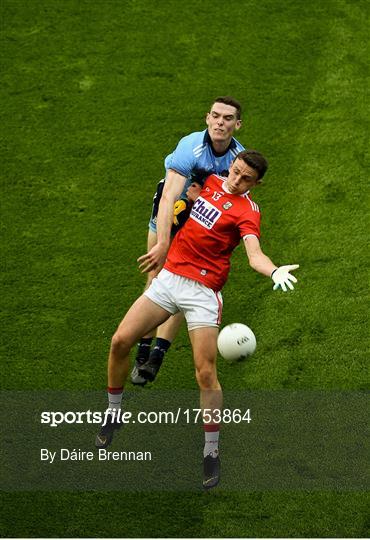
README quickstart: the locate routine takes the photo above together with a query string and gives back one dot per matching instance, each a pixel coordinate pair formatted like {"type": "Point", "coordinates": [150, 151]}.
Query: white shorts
{"type": "Point", "coordinates": [200, 305]}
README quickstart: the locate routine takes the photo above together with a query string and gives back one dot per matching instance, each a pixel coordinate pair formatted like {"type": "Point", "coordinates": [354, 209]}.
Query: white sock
{"type": "Point", "coordinates": [211, 440]}
{"type": "Point", "coordinates": [115, 398]}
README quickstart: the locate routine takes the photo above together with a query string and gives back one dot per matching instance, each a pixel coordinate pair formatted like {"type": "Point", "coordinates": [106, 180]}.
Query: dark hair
{"type": "Point", "coordinates": [228, 100]}
{"type": "Point", "coordinates": [255, 160]}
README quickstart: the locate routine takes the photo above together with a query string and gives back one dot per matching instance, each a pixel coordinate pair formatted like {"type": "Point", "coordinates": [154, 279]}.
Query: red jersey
{"type": "Point", "coordinates": [201, 250]}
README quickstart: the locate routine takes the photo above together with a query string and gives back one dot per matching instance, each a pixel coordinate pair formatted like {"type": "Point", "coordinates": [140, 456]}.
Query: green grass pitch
{"type": "Point", "coordinates": [94, 95]}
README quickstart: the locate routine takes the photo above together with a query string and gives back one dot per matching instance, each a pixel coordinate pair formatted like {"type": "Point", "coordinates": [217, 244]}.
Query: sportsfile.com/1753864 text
{"type": "Point", "coordinates": [188, 416]}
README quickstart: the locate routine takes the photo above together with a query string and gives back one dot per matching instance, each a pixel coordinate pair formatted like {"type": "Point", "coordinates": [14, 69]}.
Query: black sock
{"type": "Point", "coordinates": [162, 344]}
{"type": "Point", "coordinates": [143, 349]}
{"type": "Point", "coordinates": [159, 350]}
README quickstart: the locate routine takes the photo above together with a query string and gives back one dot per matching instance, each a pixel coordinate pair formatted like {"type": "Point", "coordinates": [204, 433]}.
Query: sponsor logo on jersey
{"type": "Point", "coordinates": [227, 205]}
{"type": "Point", "coordinates": [205, 213]}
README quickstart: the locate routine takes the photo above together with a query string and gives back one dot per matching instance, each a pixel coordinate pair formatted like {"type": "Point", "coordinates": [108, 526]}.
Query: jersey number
{"type": "Point", "coordinates": [216, 195]}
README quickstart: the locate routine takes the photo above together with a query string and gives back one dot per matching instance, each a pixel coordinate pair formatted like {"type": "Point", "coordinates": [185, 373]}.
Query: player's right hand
{"type": "Point", "coordinates": [154, 259]}
{"type": "Point", "coordinates": [282, 278]}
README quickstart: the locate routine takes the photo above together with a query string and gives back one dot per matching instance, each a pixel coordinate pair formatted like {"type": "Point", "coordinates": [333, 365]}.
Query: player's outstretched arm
{"type": "Point", "coordinates": [156, 257]}
{"type": "Point", "coordinates": [281, 275]}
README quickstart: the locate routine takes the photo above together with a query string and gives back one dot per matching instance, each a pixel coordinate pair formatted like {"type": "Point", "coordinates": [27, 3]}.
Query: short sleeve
{"type": "Point", "coordinates": [182, 159]}
{"type": "Point", "coordinates": [249, 224]}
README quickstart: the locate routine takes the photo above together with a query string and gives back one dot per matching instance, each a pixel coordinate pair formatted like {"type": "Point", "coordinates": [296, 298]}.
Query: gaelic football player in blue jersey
{"type": "Point", "coordinates": [196, 156]}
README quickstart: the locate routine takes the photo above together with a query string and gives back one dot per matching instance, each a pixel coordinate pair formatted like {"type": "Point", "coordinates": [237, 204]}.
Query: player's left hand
{"type": "Point", "coordinates": [282, 278]}
{"type": "Point", "coordinates": [154, 259]}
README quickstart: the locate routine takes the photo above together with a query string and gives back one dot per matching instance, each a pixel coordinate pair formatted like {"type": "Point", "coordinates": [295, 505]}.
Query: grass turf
{"type": "Point", "coordinates": [95, 95]}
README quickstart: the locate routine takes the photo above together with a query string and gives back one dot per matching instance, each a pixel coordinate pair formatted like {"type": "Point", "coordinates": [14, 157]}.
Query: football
{"type": "Point", "coordinates": [236, 341]}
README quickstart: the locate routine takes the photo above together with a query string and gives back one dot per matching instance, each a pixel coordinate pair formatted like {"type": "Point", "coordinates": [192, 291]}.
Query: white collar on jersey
{"type": "Point", "coordinates": [224, 188]}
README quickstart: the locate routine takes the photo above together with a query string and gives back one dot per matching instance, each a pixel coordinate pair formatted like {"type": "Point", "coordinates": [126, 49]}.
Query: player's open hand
{"type": "Point", "coordinates": [282, 278]}
{"type": "Point", "coordinates": [154, 259]}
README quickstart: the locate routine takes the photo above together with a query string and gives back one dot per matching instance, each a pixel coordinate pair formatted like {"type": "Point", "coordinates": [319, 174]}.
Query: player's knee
{"type": "Point", "coordinates": [206, 377]}
{"type": "Point", "coordinates": [120, 344]}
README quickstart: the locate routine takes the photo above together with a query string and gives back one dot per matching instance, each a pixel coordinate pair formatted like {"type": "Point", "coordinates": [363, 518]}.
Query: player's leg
{"type": "Point", "coordinates": [202, 308]}
{"type": "Point", "coordinates": [204, 344]}
{"type": "Point", "coordinates": [141, 318]}
{"type": "Point", "coordinates": [144, 345]}
{"type": "Point", "coordinates": [166, 333]}
{"type": "Point", "coordinates": [145, 342]}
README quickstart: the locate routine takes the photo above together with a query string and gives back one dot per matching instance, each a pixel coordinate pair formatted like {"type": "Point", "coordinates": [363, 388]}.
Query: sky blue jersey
{"type": "Point", "coordinates": [195, 158]}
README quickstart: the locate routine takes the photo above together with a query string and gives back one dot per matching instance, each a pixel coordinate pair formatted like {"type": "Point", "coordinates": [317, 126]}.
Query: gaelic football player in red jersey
{"type": "Point", "coordinates": [194, 273]}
